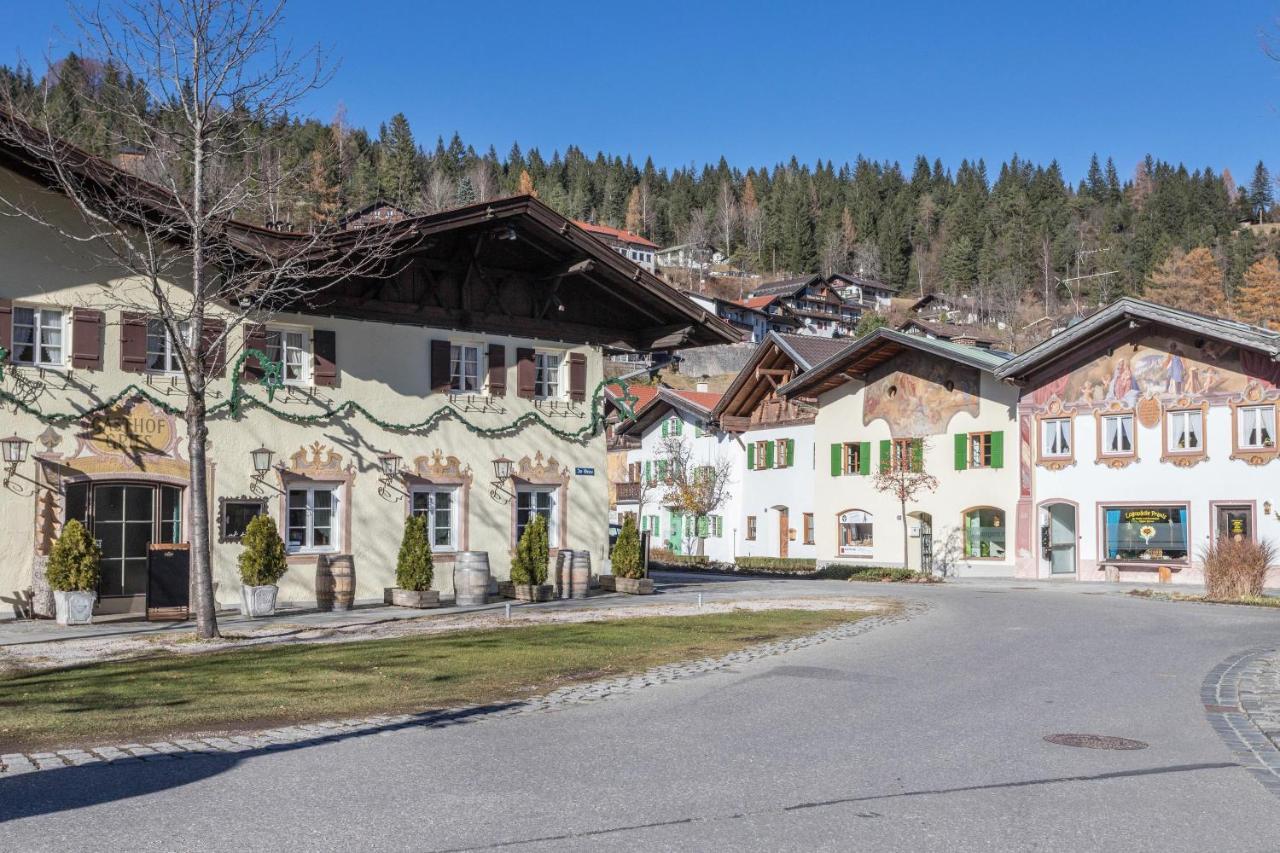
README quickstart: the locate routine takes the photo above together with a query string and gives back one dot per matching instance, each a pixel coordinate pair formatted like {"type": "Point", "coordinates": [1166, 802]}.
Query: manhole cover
{"type": "Point", "coordinates": [1095, 741]}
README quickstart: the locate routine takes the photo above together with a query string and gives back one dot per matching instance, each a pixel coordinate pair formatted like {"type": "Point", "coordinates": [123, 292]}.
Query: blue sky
{"type": "Point", "coordinates": [686, 82]}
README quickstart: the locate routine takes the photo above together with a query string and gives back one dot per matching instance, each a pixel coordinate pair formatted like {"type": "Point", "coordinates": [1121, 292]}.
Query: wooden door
{"type": "Point", "coordinates": [784, 531]}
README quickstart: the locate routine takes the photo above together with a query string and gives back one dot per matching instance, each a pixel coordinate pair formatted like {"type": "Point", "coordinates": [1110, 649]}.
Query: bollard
{"type": "Point", "coordinates": [508, 609]}
{"type": "Point", "coordinates": [699, 600]}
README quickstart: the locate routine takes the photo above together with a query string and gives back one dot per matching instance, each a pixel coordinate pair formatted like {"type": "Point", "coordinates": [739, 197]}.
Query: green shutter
{"type": "Point", "coordinates": [768, 454]}
{"type": "Point", "coordinates": [864, 460]}
{"type": "Point", "coordinates": [997, 449]}
{"type": "Point", "coordinates": [719, 520]}
{"type": "Point", "coordinates": [962, 451]}
{"type": "Point", "coordinates": [837, 460]}
{"type": "Point", "coordinates": [791, 452]}
{"type": "Point", "coordinates": [751, 456]}
{"type": "Point", "coordinates": [655, 522]}
{"type": "Point", "coordinates": [677, 426]}
{"type": "Point", "coordinates": [662, 470]}
{"type": "Point", "coordinates": [648, 472]}
{"type": "Point", "coordinates": [665, 427]}
{"type": "Point", "coordinates": [886, 449]}
{"type": "Point", "coordinates": [704, 526]}
{"type": "Point", "coordinates": [917, 454]}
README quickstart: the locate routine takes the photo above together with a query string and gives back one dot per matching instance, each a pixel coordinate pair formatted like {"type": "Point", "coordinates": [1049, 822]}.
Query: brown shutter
{"type": "Point", "coordinates": [215, 351]}
{"type": "Point", "coordinates": [497, 370]}
{"type": "Point", "coordinates": [86, 339]}
{"type": "Point", "coordinates": [325, 346]}
{"type": "Point", "coordinates": [440, 352]}
{"type": "Point", "coordinates": [577, 377]}
{"type": "Point", "coordinates": [6, 327]}
{"type": "Point", "coordinates": [133, 342]}
{"type": "Point", "coordinates": [525, 373]}
{"type": "Point", "coordinates": [255, 337]}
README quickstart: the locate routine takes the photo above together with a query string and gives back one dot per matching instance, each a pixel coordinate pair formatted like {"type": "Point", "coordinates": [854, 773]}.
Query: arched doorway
{"type": "Point", "coordinates": [1058, 538]}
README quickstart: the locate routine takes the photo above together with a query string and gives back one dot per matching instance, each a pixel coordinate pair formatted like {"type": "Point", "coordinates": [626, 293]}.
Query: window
{"type": "Point", "coordinates": [984, 533]}
{"type": "Point", "coordinates": [1185, 431]}
{"type": "Point", "coordinates": [904, 454]}
{"type": "Point", "coordinates": [655, 527]}
{"type": "Point", "coordinates": [1141, 533]}
{"type": "Point", "coordinates": [808, 528]}
{"type": "Point", "coordinates": [852, 458]}
{"type": "Point", "coordinates": [536, 500]}
{"type": "Point", "coordinates": [162, 354]}
{"type": "Point", "coordinates": [1117, 435]}
{"type": "Point", "coordinates": [979, 450]}
{"type": "Point", "coordinates": [311, 527]}
{"type": "Point", "coordinates": [546, 375]}
{"type": "Point", "coordinates": [761, 455]}
{"type": "Point", "coordinates": [37, 337]}
{"type": "Point", "coordinates": [289, 349]}
{"type": "Point", "coordinates": [780, 452]}
{"type": "Point", "coordinates": [1257, 426]}
{"type": "Point", "coordinates": [464, 369]}
{"type": "Point", "coordinates": [236, 515]}
{"type": "Point", "coordinates": [751, 527]}
{"type": "Point", "coordinates": [170, 529]}
{"type": "Point", "coordinates": [855, 533]}
{"type": "Point", "coordinates": [1055, 438]}
{"type": "Point", "coordinates": [436, 505]}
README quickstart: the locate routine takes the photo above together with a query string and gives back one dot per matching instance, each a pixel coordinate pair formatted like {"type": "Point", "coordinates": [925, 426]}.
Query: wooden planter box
{"type": "Point", "coordinates": [415, 598]}
{"type": "Point", "coordinates": [606, 582]}
{"type": "Point", "coordinates": [634, 586]}
{"type": "Point", "coordinates": [526, 592]}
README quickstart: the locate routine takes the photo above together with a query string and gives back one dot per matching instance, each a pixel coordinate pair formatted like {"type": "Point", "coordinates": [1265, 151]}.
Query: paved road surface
{"type": "Point", "coordinates": [922, 735]}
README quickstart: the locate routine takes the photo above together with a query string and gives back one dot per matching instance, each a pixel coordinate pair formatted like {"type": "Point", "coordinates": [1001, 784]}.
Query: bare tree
{"type": "Point", "coordinates": [727, 215]}
{"type": "Point", "coordinates": [866, 260]}
{"type": "Point", "coordinates": [483, 181]}
{"type": "Point", "coordinates": [439, 193]}
{"type": "Point", "coordinates": [905, 479]}
{"type": "Point", "coordinates": [694, 487]}
{"type": "Point", "coordinates": [835, 255]}
{"type": "Point", "coordinates": [209, 67]}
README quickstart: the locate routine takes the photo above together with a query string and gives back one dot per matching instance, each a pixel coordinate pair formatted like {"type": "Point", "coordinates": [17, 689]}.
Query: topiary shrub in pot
{"type": "Point", "coordinates": [262, 563]}
{"type": "Point", "coordinates": [628, 561]}
{"type": "Point", "coordinates": [529, 566]}
{"type": "Point", "coordinates": [414, 567]}
{"type": "Point", "coordinates": [73, 572]}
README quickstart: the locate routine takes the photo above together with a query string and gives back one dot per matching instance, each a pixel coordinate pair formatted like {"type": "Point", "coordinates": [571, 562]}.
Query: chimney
{"type": "Point", "coordinates": [703, 387]}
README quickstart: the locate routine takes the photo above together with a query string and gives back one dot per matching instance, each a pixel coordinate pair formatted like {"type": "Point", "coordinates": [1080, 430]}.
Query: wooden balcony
{"type": "Point", "coordinates": [627, 492]}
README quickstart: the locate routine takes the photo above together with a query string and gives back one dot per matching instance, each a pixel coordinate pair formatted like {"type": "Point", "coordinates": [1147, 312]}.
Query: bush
{"type": "Point", "coordinates": [75, 561]}
{"type": "Point", "coordinates": [798, 565]}
{"type": "Point", "coordinates": [262, 561]}
{"type": "Point", "coordinates": [529, 568]}
{"type": "Point", "coordinates": [414, 568]}
{"type": "Point", "coordinates": [1236, 568]}
{"type": "Point", "coordinates": [665, 556]}
{"type": "Point", "coordinates": [628, 562]}
{"type": "Point", "coordinates": [840, 572]}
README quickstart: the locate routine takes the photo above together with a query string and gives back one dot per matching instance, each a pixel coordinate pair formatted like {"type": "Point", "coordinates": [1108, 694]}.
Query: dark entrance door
{"type": "Point", "coordinates": [124, 523]}
{"type": "Point", "coordinates": [926, 547]}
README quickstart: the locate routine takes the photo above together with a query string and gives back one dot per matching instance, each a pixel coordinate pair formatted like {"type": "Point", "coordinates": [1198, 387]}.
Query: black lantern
{"type": "Point", "coordinates": [390, 464]}
{"type": "Point", "coordinates": [502, 469]}
{"type": "Point", "coordinates": [14, 450]}
{"type": "Point", "coordinates": [261, 460]}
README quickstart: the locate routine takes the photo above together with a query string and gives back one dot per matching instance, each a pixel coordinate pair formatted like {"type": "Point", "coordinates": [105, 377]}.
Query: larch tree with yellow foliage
{"type": "Point", "coordinates": [526, 184]}
{"type": "Point", "coordinates": [1191, 281]}
{"type": "Point", "coordinates": [1258, 300]}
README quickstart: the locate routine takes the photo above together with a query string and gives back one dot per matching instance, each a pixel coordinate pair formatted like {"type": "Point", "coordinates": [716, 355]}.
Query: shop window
{"type": "Point", "coordinates": [312, 520]}
{"type": "Point", "coordinates": [533, 501]}
{"type": "Point", "coordinates": [464, 369]}
{"type": "Point", "coordinates": [1145, 533]}
{"type": "Point", "coordinates": [1055, 438]}
{"type": "Point", "coordinates": [290, 348]}
{"type": "Point", "coordinates": [38, 335]}
{"type": "Point", "coordinates": [1117, 435]}
{"type": "Point", "coordinates": [438, 507]}
{"type": "Point", "coordinates": [1185, 431]}
{"type": "Point", "coordinates": [162, 352]}
{"type": "Point", "coordinates": [984, 533]}
{"type": "Point", "coordinates": [855, 533]}
{"type": "Point", "coordinates": [236, 515]}
{"type": "Point", "coordinates": [1257, 427]}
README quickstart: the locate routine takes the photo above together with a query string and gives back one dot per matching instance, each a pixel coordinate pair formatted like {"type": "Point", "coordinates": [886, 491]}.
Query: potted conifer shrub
{"type": "Point", "coordinates": [414, 568]}
{"type": "Point", "coordinates": [73, 572]}
{"type": "Point", "coordinates": [529, 567]}
{"type": "Point", "coordinates": [628, 562]}
{"type": "Point", "coordinates": [262, 563]}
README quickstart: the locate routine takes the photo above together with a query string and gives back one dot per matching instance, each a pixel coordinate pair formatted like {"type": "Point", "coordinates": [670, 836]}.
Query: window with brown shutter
{"type": "Point", "coordinates": [525, 373]}
{"type": "Point", "coordinates": [497, 370]}
{"type": "Point", "coordinates": [255, 337]}
{"type": "Point", "coordinates": [577, 377]}
{"type": "Point", "coordinates": [440, 351]}
{"type": "Point", "coordinates": [6, 327]}
{"type": "Point", "coordinates": [325, 350]}
{"type": "Point", "coordinates": [133, 342]}
{"type": "Point", "coordinates": [86, 339]}
{"type": "Point", "coordinates": [215, 348]}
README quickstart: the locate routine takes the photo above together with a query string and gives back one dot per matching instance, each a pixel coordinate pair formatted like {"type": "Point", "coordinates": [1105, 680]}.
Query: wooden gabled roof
{"type": "Point", "coordinates": [699, 404]}
{"type": "Point", "coordinates": [778, 359]}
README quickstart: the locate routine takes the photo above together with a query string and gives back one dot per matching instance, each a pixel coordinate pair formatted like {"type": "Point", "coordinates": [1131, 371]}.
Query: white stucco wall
{"type": "Point", "coordinates": [765, 491]}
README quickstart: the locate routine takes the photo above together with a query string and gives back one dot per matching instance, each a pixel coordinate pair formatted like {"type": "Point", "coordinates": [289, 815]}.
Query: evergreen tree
{"type": "Point", "coordinates": [1260, 196]}
{"type": "Point", "coordinates": [466, 192]}
{"type": "Point", "coordinates": [398, 177]}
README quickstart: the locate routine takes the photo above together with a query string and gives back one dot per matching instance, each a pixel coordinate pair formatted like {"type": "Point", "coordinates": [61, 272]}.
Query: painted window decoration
{"type": "Point", "coordinates": [1117, 435]}
{"type": "Point", "coordinates": [289, 349]}
{"type": "Point", "coordinates": [436, 505]}
{"type": "Point", "coordinates": [1257, 427]}
{"type": "Point", "coordinates": [855, 533]}
{"type": "Point", "coordinates": [312, 522]}
{"type": "Point", "coordinates": [162, 354]}
{"type": "Point", "coordinates": [533, 501]}
{"type": "Point", "coordinates": [236, 515]}
{"type": "Point", "coordinates": [751, 527]}
{"type": "Point", "coordinates": [984, 533]}
{"type": "Point", "coordinates": [37, 337]}
{"type": "Point", "coordinates": [1186, 431]}
{"type": "Point", "coordinates": [546, 375]}
{"type": "Point", "coordinates": [1055, 438]}
{"type": "Point", "coordinates": [1145, 533]}
{"type": "Point", "coordinates": [464, 369]}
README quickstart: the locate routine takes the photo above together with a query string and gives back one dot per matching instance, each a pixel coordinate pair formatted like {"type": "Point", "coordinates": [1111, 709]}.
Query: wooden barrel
{"type": "Point", "coordinates": [324, 584]}
{"type": "Point", "coordinates": [581, 574]}
{"type": "Point", "coordinates": [343, 569]}
{"type": "Point", "coordinates": [564, 562]}
{"type": "Point", "coordinates": [471, 578]}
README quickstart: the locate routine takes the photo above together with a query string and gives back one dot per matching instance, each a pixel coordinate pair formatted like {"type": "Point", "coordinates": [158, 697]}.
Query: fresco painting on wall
{"type": "Point", "coordinates": [921, 395]}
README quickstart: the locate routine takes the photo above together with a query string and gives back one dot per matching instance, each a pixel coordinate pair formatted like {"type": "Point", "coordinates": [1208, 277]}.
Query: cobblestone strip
{"type": "Point", "coordinates": [295, 737]}
{"type": "Point", "coordinates": [1241, 698]}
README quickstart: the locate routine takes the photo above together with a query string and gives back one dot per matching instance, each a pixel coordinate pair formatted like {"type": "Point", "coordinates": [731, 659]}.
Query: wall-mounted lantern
{"type": "Point", "coordinates": [502, 471]}
{"type": "Point", "coordinates": [14, 452]}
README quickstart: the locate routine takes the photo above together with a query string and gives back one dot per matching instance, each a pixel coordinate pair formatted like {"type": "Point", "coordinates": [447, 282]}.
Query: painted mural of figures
{"type": "Point", "coordinates": [1174, 368]}
{"type": "Point", "coordinates": [1123, 387]}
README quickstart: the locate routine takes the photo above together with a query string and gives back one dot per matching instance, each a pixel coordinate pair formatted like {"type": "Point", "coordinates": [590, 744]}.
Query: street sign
{"type": "Point", "coordinates": [585, 472]}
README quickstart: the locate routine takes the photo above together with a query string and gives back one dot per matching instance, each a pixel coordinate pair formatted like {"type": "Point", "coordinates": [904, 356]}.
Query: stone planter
{"type": "Point", "coordinates": [257, 601]}
{"type": "Point", "coordinates": [415, 598]}
{"type": "Point", "coordinates": [634, 586]}
{"type": "Point", "coordinates": [73, 607]}
{"type": "Point", "coordinates": [526, 592]}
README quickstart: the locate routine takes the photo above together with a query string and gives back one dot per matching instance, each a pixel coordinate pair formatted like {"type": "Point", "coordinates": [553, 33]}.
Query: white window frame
{"type": "Point", "coordinates": [335, 519]}
{"type": "Point", "coordinates": [553, 511]}
{"type": "Point", "coordinates": [285, 347]}
{"type": "Point", "coordinates": [548, 383]}
{"type": "Point", "coordinates": [457, 367]}
{"type": "Point", "coordinates": [1171, 429]}
{"type": "Point", "coordinates": [1064, 427]}
{"type": "Point", "coordinates": [38, 327]}
{"type": "Point", "coordinates": [433, 493]}
{"type": "Point", "coordinates": [169, 353]}
{"type": "Point", "coordinates": [1268, 423]}
{"type": "Point", "coordinates": [1106, 450]}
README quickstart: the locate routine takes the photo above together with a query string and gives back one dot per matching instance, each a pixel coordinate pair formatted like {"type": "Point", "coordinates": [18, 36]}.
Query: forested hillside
{"type": "Point", "coordinates": [1018, 236]}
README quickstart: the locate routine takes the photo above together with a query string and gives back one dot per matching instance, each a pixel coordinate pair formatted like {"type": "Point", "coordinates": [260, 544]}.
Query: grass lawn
{"type": "Point", "coordinates": [242, 689]}
{"type": "Point", "coordinates": [1248, 600]}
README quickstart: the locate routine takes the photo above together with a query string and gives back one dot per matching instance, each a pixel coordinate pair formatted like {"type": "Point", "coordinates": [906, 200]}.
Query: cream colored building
{"type": "Point", "coordinates": [893, 399]}
{"type": "Point", "coordinates": [496, 321]}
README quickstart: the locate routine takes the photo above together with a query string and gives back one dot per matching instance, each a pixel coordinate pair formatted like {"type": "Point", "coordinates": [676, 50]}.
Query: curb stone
{"type": "Point", "coordinates": [1241, 699]}
{"type": "Point", "coordinates": [305, 734]}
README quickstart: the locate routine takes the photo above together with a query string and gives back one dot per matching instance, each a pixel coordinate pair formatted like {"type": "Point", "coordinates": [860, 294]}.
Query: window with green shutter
{"type": "Point", "coordinates": [662, 470]}
{"type": "Point", "coordinates": [648, 472]}
{"type": "Point", "coordinates": [751, 456]}
{"type": "Point", "coordinates": [864, 458]}
{"type": "Point", "coordinates": [718, 521]}
{"type": "Point", "coordinates": [704, 527]}
{"type": "Point", "coordinates": [886, 454]}
{"type": "Point", "coordinates": [791, 452]}
{"type": "Point", "coordinates": [654, 525]}
{"type": "Point", "coordinates": [768, 454]}
{"type": "Point", "coordinates": [666, 425]}
{"type": "Point", "coordinates": [997, 449]}
{"type": "Point", "coordinates": [917, 454]}
{"type": "Point", "coordinates": [677, 426]}
{"type": "Point", "coordinates": [837, 459]}
{"type": "Point", "coordinates": [962, 451]}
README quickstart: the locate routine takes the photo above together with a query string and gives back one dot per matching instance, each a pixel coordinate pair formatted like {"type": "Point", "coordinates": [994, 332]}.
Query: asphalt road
{"type": "Point", "coordinates": [922, 735]}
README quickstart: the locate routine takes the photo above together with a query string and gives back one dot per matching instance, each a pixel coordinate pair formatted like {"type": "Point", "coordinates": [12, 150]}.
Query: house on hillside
{"type": "Point", "coordinates": [375, 213]}
{"type": "Point", "coordinates": [776, 492]}
{"type": "Point", "coordinates": [699, 257]}
{"type": "Point", "coordinates": [940, 331]}
{"type": "Point", "coordinates": [1144, 433]}
{"type": "Point", "coordinates": [753, 317]}
{"type": "Point", "coordinates": [815, 303]}
{"type": "Point", "coordinates": [904, 404]}
{"type": "Point", "coordinates": [631, 246]}
{"type": "Point", "coordinates": [867, 294]}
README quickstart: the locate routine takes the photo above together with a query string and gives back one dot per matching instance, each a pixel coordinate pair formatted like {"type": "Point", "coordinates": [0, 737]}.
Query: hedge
{"type": "Point", "coordinates": [840, 572]}
{"type": "Point", "coordinates": [798, 565]}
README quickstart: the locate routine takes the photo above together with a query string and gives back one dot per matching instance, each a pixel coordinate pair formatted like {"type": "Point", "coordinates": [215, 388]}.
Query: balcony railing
{"type": "Point", "coordinates": [627, 492]}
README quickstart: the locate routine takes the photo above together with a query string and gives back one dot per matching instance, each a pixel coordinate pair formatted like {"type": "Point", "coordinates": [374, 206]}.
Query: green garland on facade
{"type": "Point", "coordinates": [272, 381]}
